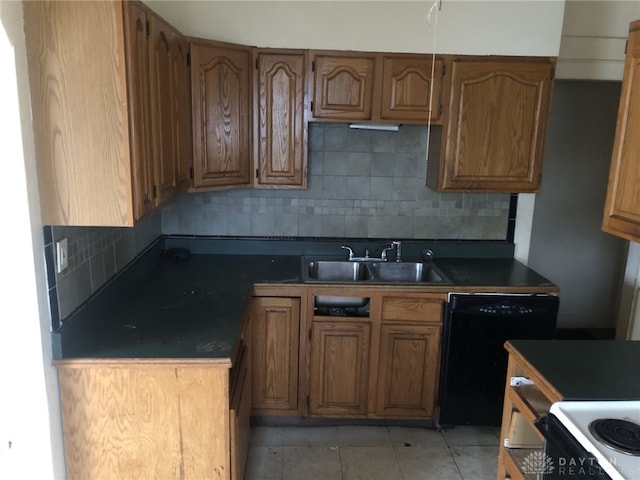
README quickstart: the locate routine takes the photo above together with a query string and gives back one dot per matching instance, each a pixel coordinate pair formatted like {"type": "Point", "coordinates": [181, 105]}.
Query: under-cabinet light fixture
{"type": "Point", "coordinates": [375, 126]}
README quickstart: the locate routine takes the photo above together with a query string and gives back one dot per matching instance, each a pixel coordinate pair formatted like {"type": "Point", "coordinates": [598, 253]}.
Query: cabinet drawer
{"type": "Point", "coordinates": [411, 308]}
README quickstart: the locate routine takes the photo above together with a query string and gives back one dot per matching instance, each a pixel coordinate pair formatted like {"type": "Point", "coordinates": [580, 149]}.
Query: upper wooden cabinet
{"type": "Point", "coordinates": [280, 127]}
{"type": "Point", "coordinates": [95, 111]}
{"type": "Point", "coordinates": [495, 122]}
{"type": "Point", "coordinates": [622, 207]}
{"type": "Point", "coordinates": [222, 104]}
{"type": "Point", "coordinates": [376, 87]}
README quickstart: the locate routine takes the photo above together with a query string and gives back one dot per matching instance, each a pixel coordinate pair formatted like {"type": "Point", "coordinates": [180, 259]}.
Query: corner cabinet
{"type": "Point", "coordinates": [622, 207]}
{"type": "Point", "coordinates": [221, 96]}
{"type": "Point", "coordinates": [495, 125]}
{"type": "Point", "coordinates": [377, 87]}
{"type": "Point", "coordinates": [280, 125]}
{"type": "Point", "coordinates": [92, 92]}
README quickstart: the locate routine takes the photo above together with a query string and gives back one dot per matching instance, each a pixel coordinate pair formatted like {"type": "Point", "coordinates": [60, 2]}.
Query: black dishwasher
{"type": "Point", "coordinates": [474, 361]}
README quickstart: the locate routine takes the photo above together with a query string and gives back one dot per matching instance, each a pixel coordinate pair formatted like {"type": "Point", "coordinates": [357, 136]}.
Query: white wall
{"type": "Point", "coordinates": [506, 27]}
{"type": "Point", "coordinates": [30, 431]}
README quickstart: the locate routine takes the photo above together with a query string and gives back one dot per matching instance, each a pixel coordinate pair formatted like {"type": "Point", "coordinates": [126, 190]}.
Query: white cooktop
{"type": "Point", "coordinates": [576, 417]}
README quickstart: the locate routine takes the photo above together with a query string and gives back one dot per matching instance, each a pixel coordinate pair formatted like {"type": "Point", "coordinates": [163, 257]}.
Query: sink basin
{"type": "Point", "coordinates": [336, 271]}
{"type": "Point", "coordinates": [404, 272]}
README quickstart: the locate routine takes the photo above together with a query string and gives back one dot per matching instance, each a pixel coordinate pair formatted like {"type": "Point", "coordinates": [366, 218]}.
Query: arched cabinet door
{"type": "Point", "coordinates": [495, 125]}
{"type": "Point", "coordinates": [280, 127]}
{"type": "Point", "coordinates": [343, 86]}
{"type": "Point", "coordinates": [221, 90]}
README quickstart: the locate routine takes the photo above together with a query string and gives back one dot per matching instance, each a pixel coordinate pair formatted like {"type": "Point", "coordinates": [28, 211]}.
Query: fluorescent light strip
{"type": "Point", "coordinates": [375, 126]}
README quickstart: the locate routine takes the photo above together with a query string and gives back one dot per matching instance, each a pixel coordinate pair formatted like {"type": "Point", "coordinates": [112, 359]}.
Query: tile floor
{"type": "Point", "coordinates": [372, 453]}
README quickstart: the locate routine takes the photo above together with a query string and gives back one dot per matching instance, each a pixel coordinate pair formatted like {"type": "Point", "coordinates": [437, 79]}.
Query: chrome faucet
{"type": "Point", "coordinates": [398, 246]}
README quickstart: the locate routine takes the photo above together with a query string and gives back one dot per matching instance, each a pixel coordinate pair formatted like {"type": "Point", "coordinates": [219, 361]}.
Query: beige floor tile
{"type": "Point", "coordinates": [416, 437]}
{"type": "Point", "coordinates": [311, 436]}
{"type": "Point", "coordinates": [471, 435]}
{"type": "Point", "coordinates": [476, 462]}
{"type": "Point", "coordinates": [267, 436]}
{"type": "Point", "coordinates": [364, 436]}
{"type": "Point", "coordinates": [427, 463]}
{"type": "Point", "coordinates": [265, 463]}
{"type": "Point", "coordinates": [311, 463]}
{"type": "Point", "coordinates": [369, 463]}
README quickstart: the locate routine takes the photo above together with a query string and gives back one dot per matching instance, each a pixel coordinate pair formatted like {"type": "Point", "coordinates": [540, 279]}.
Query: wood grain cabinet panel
{"type": "Point", "coordinates": [411, 88]}
{"type": "Point", "coordinates": [622, 207]}
{"type": "Point", "coordinates": [495, 125]}
{"type": "Point", "coordinates": [221, 90]}
{"type": "Point", "coordinates": [408, 370]}
{"type": "Point", "coordinates": [275, 333]}
{"type": "Point", "coordinates": [280, 123]}
{"type": "Point", "coordinates": [101, 98]}
{"type": "Point", "coordinates": [342, 85]}
{"type": "Point", "coordinates": [340, 355]}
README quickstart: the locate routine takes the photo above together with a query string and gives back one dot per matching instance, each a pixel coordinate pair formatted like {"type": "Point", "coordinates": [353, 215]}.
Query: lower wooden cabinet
{"type": "Point", "coordinates": [340, 353]}
{"type": "Point", "coordinates": [408, 370]}
{"type": "Point", "coordinates": [275, 355]}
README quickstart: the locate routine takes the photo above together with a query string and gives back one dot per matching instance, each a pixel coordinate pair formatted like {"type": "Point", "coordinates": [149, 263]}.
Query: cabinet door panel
{"type": "Point", "coordinates": [496, 126]}
{"type": "Point", "coordinates": [343, 87]}
{"type": "Point", "coordinates": [281, 126]}
{"type": "Point", "coordinates": [407, 375]}
{"type": "Point", "coordinates": [339, 368]}
{"type": "Point", "coordinates": [622, 208]}
{"type": "Point", "coordinates": [275, 336]}
{"type": "Point", "coordinates": [221, 115]}
{"type": "Point", "coordinates": [137, 57]}
{"type": "Point", "coordinates": [164, 155]}
{"type": "Point", "coordinates": [411, 88]}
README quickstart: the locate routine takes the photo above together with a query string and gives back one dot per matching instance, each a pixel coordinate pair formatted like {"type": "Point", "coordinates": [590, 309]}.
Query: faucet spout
{"type": "Point", "coordinates": [398, 246]}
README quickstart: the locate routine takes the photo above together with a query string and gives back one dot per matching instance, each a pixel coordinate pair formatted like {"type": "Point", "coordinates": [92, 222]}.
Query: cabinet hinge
{"type": "Point", "coordinates": [257, 173]}
{"type": "Point", "coordinates": [444, 70]}
{"type": "Point", "coordinates": [311, 106]}
{"type": "Point", "coordinates": [309, 334]}
{"type": "Point", "coordinates": [308, 401]}
{"type": "Point", "coordinates": [313, 66]}
{"type": "Point", "coordinates": [154, 192]}
{"type": "Point", "coordinates": [553, 73]}
{"type": "Point", "coordinates": [189, 58]}
{"type": "Point", "coordinates": [440, 109]}
{"type": "Point", "coordinates": [257, 67]}
{"type": "Point", "coordinates": [191, 174]}
{"type": "Point", "coordinates": [148, 28]}
{"type": "Point", "coordinates": [539, 178]}
{"type": "Point", "coordinates": [626, 44]}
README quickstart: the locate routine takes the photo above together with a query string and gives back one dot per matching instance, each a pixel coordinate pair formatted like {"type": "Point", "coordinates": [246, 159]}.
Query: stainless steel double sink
{"type": "Point", "coordinates": [344, 271]}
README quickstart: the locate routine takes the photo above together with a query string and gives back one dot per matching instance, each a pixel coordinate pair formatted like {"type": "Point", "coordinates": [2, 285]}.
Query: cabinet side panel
{"type": "Point", "coordinates": [80, 113]}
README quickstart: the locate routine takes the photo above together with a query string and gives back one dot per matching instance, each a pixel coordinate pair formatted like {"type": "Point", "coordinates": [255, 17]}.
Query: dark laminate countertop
{"type": "Point", "coordinates": [586, 369]}
{"type": "Point", "coordinates": [159, 308]}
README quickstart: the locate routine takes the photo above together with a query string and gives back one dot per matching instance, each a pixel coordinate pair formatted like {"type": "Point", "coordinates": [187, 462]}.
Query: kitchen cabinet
{"type": "Point", "coordinates": [275, 355]}
{"type": "Point", "coordinates": [96, 112]}
{"type": "Point", "coordinates": [221, 76]}
{"type": "Point", "coordinates": [622, 206]}
{"type": "Point", "coordinates": [379, 87]}
{"type": "Point", "coordinates": [280, 128]}
{"type": "Point", "coordinates": [339, 373]}
{"type": "Point", "coordinates": [528, 396]}
{"type": "Point", "coordinates": [409, 356]}
{"type": "Point", "coordinates": [495, 120]}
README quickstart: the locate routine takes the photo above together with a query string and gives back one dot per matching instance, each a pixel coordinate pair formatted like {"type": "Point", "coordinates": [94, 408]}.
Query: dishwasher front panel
{"type": "Point", "coordinates": [474, 361]}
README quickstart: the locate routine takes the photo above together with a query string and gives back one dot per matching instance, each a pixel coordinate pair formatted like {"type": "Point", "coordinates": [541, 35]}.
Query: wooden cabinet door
{"type": "Point", "coordinates": [275, 338]}
{"type": "Point", "coordinates": [221, 90]}
{"type": "Point", "coordinates": [343, 86]}
{"type": "Point", "coordinates": [182, 129]}
{"type": "Point", "coordinates": [411, 88]}
{"type": "Point", "coordinates": [340, 355]}
{"type": "Point", "coordinates": [164, 155]}
{"type": "Point", "coordinates": [495, 125]}
{"type": "Point", "coordinates": [138, 85]}
{"type": "Point", "coordinates": [280, 126]}
{"type": "Point", "coordinates": [408, 370]}
{"type": "Point", "coordinates": [622, 207]}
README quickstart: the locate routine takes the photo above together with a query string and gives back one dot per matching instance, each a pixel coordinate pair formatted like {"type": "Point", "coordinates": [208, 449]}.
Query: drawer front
{"type": "Point", "coordinates": [412, 309]}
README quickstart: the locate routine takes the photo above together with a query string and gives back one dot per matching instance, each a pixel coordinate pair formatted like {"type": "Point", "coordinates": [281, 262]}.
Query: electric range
{"type": "Point", "coordinates": [609, 431]}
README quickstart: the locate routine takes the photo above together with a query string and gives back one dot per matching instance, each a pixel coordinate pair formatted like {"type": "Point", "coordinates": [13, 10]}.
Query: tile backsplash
{"type": "Point", "coordinates": [361, 184]}
{"type": "Point", "coordinates": [96, 254]}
